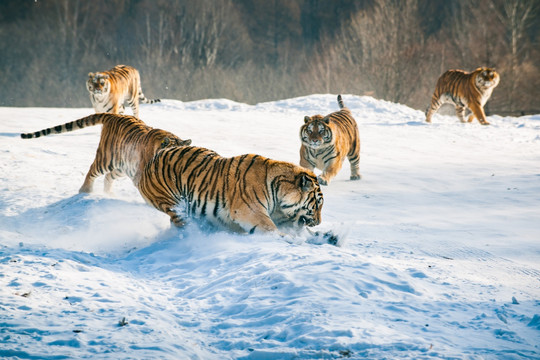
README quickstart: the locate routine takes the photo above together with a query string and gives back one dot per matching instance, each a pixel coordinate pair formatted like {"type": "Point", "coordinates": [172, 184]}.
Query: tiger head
{"type": "Point", "coordinates": [486, 78]}
{"type": "Point", "coordinates": [161, 139]}
{"type": "Point", "coordinates": [301, 200]}
{"type": "Point", "coordinates": [98, 84]}
{"type": "Point", "coordinates": [316, 132]}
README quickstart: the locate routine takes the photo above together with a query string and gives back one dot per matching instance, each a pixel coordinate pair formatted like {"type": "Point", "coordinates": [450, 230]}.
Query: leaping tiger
{"type": "Point", "coordinates": [245, 194]}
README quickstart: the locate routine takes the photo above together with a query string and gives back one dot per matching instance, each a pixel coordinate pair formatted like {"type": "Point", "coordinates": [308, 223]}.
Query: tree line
{"type": "Point", "coordinates": [260, 50]}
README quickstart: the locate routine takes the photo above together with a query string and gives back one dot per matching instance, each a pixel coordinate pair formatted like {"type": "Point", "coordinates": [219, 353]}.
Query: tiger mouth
{"type": "Point", "coordinates": [305, 221]}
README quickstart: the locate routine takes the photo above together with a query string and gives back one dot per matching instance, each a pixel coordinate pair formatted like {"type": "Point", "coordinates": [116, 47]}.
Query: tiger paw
{"type": "Point", "coordinates": [331, 238]}
{"type": "Point", "coordinates": [356, 177]}
{"type": "Point", "coordinates": [327, 237]}
{"type": "Point", "coordinates": [322, 181]}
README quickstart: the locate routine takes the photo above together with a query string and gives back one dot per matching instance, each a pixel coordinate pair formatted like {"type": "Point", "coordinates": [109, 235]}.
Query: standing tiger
{"type": "Point", "coordinates": [125, 146]}
{"type": "Point", "coordinates": [326, 141]}
{"type": "Point", "coordinates": [245, 194]}
{"type": "Point", "coordinates": [466, 91]}
{"type": "Point", "coordinates": [109, 90]}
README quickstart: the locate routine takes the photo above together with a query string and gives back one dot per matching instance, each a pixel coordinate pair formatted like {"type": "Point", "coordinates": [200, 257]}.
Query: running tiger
{"type": "Point", "coordinates": [326, 141]}
{"type": "Point", "coordinates": [109, 90]}
{"type": "Point", "coordinates": [466, 91]}
{"type": "Point", "coordinates": [244, 194]}
{"type": "Point", "coordinates": [125, 146]}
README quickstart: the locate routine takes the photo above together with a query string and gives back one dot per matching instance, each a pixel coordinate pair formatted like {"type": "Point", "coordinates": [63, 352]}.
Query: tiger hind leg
{"type": "Point", "coordinates": [93, 173]}
{"type": "Point", "coordinates": [109, 179]}
{"type": "Point", "coordinates": [432, 108]}
{"type": "Point", "coordinates": [355, 167]}
{"type": "Point", "coordinates": [460, 112]}
{"type": "Point", "coordinates": [135, 107]}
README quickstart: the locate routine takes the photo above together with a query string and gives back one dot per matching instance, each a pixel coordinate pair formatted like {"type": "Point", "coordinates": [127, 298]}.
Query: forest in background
{"type": "Point", "coordinates": [261, 50]}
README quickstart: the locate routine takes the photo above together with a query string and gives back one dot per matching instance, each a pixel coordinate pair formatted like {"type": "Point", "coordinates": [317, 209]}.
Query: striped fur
{"type": "Point", "coordinates": [466, 91]}
{"type": "Point", "coordinates": [109, 90]}
{"type": "Point", "coordinates": [326, 141]}
{"type": "Point", "coordinates": [125, 146]}
{"type": "Point", "coordinates": [245, 194]}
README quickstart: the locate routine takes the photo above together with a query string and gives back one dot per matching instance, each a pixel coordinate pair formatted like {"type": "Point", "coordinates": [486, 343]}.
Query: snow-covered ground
{"type": "Point", "coordinates": [440, 256]}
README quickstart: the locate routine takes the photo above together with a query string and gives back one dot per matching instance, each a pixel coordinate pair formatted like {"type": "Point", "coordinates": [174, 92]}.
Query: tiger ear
{"type": "Point", "coordinates": [306, 119]}
{"type": "Point", "coordinates": [165, 142]}
{"type": "Point", "coordinates": [326, 119]}
{"type": "Point", "coordinates": [304, 182]}
{"type": "Point", "coordinates": [186, 142]}
{"type": "Point", "coordinates": [106, 76]}
{"type": "Point", "coordinates": [91, 75]}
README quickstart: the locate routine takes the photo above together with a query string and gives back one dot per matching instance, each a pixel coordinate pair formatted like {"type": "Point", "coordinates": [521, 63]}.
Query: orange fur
{"type": "Point", "coordinates": [466, 91]}
{"type": "Point", "coordinates": [125, 146]}
{"type": "Point", "coordinates": [109, 90]}
{"type": "Point", "coordinates": [245, 194]}
{"type": "Point", "coordinates": [328, 140]}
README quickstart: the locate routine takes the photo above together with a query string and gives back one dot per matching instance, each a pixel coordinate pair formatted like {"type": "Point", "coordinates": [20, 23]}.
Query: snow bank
{"type": "Point", "coordinates": [440, 258]}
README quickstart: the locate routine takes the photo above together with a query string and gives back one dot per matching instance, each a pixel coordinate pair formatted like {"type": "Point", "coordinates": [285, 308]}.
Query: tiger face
{"type": "Point", "coordinates": [98, 84]}
{"type": "Point", "coordinates": [315, 133]}
{"type": "Point", "coordinates": [302, 201]}
{"type": "Point", "coordinates": [487, 78]}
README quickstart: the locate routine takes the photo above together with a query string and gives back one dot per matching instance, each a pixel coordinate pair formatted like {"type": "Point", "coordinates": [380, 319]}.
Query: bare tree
{"type": "Point", "coordinates": [516, 16]}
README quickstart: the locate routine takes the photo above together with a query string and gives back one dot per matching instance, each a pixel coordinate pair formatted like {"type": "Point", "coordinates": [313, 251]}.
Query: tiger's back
{"type": "Point", "coordinates": [109, 90]}
{"type": "Point", "coordinates": [465, 91]}
{"type": "Point", "coordinates": [327, 141]}
{"type": "Point", "coordinates": [126, 144]}
{"type": "Point", "coordinates": [247, 193]}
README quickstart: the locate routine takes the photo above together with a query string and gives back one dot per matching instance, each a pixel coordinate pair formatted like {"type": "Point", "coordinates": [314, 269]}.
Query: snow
{"type": "Point", "coordinates": [439, 255]}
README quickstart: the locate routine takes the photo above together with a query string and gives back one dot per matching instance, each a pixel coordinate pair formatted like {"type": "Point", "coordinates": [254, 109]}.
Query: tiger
{"type": "Point", "coordinates": [326, 141]}
{"type": "Point", "coordinates": [244, 194]}
{"type": "Point", "coordinates": [466, 91]}
{"type": "Point", "coordinates": [109, 90]}
{"type": "Point", "coordinates": [125, 146]}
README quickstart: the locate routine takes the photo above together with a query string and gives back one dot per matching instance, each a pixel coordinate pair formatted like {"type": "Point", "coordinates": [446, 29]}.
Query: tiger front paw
{"type": "Point", "coordinates": [356, 177]}
{"type": "Point", "coordinates": [177, 221]}
{"type": "Point", "coordinates": [322, 181]}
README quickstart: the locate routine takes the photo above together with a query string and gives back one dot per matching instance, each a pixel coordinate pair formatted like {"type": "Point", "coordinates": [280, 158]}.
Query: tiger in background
{"type": "Point", "coordinates": [466, 91]}
{"type": "Point", "coordinates": [125, 146]}
{"type": "Point", "coordinates": [109, 90]}
{"type": "Point", "coordinates": [326, 141]}
{"type": "Point", "coordinates": [244, 194]}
